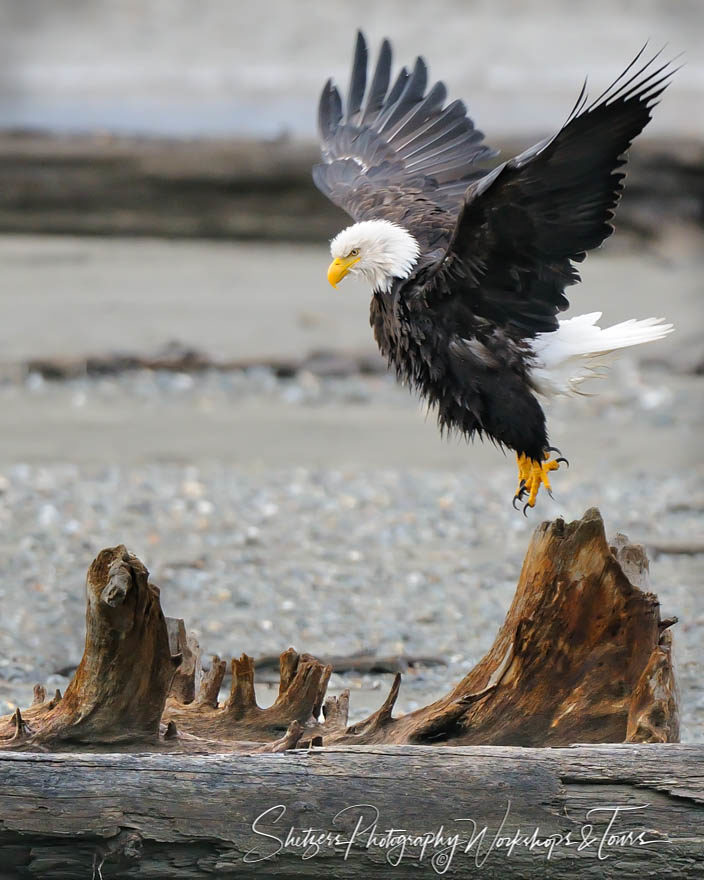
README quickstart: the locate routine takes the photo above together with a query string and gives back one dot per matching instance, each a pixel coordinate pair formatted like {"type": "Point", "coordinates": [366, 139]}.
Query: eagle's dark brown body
{"type": "Point", "coordinates": [474, 373]}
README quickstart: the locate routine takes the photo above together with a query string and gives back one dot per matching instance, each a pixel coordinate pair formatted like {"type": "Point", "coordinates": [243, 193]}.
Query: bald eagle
{"type": "Point", "coordinates": [468, 267]}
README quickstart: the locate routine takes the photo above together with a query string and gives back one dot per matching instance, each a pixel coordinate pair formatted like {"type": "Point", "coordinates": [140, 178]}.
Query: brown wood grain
{"type": "Point", "coordinates": [181, 816]}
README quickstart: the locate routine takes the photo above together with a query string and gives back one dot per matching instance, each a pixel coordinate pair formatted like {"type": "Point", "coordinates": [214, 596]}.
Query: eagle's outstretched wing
{"type": "Point", "coordinates": [522, 225]}
{"type": "Point", "coordinates": [395, 151]}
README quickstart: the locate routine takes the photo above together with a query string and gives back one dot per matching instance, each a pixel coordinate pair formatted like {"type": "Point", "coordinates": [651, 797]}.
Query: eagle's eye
{"type": "Point", "coordinates": [354, 252]}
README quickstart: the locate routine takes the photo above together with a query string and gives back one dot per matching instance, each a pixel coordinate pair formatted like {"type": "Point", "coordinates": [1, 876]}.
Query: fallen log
{"type": "Point", "coordinates": [365, 663]}
{"type": "Point", "coordinates": [582, 656]}
{"type": "Point", "coordinates": [594, 811]}
{"type": "Point", "coordinates": [98, 184]}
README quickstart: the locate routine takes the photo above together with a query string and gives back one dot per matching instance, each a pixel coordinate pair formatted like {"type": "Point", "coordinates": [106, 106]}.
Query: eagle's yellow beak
{"type": "Point", "coordinates": [339, 267]}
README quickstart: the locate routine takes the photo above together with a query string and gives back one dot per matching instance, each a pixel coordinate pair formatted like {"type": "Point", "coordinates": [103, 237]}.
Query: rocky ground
{"type": "Point", "coordinates": [318, 511]}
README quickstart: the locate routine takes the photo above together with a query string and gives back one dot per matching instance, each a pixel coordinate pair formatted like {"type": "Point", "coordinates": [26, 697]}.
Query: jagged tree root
{"type": "Point", "coordinates": [583, 656]}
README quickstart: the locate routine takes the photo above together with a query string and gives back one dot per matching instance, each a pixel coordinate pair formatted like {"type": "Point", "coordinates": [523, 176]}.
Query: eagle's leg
{"type": "Point", "coordinates": [534, 474]}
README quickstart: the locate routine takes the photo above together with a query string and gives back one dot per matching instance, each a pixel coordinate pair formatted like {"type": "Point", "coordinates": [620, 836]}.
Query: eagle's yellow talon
{"type": "Point", "coordinates": [531, 476]}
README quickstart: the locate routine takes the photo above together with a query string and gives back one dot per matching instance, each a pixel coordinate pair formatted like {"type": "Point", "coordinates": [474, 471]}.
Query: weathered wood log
{"type": "Point", "coordinates": [365, 663]}
{"type": "Point", "coordinates": [582, 656]}
{"type": "Point", "coordinates": [626, 812]}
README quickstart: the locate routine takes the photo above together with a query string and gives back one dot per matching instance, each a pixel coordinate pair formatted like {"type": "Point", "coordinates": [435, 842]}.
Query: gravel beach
{"type": "Point", "coordinates": [312, 511]}
{"type": "Point", "coordinates": [332, 560]}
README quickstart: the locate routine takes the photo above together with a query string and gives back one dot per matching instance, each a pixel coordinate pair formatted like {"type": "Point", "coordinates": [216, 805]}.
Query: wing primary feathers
{"type": "Point", "coordinates": [380, 83]}
{"type": "Point", "coordinates": [448, 143]}
{"type": "Point", "coordinates": [367, 142]}
{"type": "Point", "coordinates": [358, 78]}
{"type": "Point", "coordinates": [397, 87]}
{"type": "Point", "coordinates": [412, 93]}
{"type": "Point", "coordinates": [453, 166]}
{"type": "Point", "coordinates": [533, 217]}
{"type": "Point", "coordinates": [578, 104]}
{"type": "Point", "coordinates": [435, 127]}
{"type": "Point", "coordinates": [621, 75]}
{"type": "Point", "coordinates": [417, 116]}
{"type": "Point", "coordinates": [329, 111]}
{"type": "Point", "coordinates": [632, 85]}
{"type": "Point", "coordinates": [637, 87]}
{"type": "Point", "coordinates": [453, 134]}
{"type": "Point", "coordinates": [645, 89]}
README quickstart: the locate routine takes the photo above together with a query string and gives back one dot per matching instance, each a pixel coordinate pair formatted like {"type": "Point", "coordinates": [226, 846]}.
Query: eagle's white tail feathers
{"type": "Point", "coordinates": [579, 349]}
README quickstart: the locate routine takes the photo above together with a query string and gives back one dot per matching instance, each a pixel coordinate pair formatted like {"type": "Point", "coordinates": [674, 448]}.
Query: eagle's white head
{"type": "Point", "coordinates": [378, 250]}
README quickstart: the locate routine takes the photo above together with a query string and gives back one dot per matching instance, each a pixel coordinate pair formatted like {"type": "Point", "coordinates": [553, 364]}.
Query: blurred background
{"type": "Point", "coordinates": [176, 374]}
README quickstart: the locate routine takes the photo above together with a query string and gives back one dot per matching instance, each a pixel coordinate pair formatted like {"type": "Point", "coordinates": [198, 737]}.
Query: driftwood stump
{"type": "Point", "coordinates": [117, 695]}
{"type": "Point", "coordinates": [582, 656]}
{"type": "Point", "coordinates": [119, 689]}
